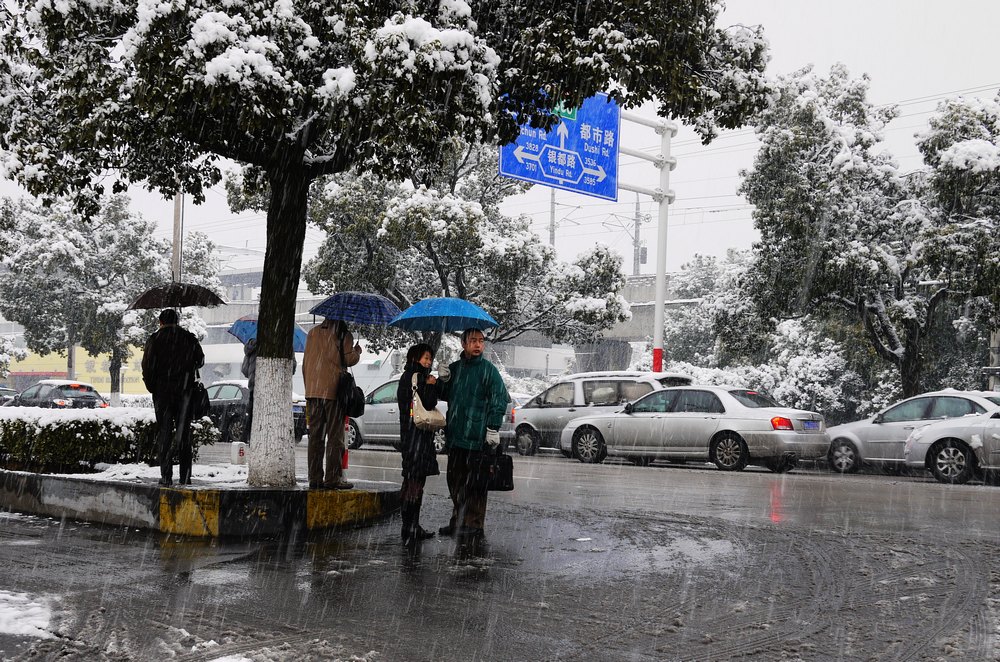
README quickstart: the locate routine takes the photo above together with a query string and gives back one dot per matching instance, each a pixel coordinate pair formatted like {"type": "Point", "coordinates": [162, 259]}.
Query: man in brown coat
{"type": "Point", "coordinates": [330, 349]}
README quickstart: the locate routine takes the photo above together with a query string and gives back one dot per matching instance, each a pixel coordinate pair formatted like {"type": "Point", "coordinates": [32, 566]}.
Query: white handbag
{"type": "Point", "coordinates": [423, 418]}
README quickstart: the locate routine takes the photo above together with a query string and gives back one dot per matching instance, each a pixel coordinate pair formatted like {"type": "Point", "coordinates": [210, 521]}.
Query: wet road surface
{"type": "Point", "coordinates": [582, 562]}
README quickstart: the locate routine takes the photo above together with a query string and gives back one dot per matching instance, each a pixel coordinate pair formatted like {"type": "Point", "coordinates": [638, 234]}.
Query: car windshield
{"type": "Point", "coordinates": [77, 391]}
{"type": "Point", "coordinates": [675, 381]}
{"type": "Point", "coordinates": [753, 399]}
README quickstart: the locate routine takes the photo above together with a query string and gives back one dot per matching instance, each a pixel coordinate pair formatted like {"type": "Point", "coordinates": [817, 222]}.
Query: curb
{"type": "Point", "coordinates": [201, 512]}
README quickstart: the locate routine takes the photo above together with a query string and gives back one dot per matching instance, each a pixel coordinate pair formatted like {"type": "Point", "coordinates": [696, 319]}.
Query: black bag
{"type": "Point", "coordinates": [499, 471]}
{"type": "Point", "coordinates": [200, 404]}
{"type": "Point", "coordinates": [350, 396]}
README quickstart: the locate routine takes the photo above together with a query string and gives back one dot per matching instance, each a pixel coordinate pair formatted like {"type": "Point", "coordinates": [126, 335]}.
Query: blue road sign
{"type": "Point", "coordinates": [579, 154]}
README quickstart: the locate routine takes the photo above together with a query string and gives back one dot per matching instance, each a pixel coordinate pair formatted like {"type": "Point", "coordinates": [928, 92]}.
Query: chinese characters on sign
{"type": "Point", "coordinates": [579, 154]}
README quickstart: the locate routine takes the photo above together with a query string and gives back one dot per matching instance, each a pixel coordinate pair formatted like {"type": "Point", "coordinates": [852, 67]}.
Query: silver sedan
{"type": "Point", "coordinates": [879, 439]}
{"type": "Point", "coordinates": [955, 450]}
{"type": "Point", "coordinates": [732, 427]}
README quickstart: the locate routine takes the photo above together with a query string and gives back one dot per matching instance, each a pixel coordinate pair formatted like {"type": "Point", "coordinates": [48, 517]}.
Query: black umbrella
{"type": "Point", "coordinates": [176, 295]}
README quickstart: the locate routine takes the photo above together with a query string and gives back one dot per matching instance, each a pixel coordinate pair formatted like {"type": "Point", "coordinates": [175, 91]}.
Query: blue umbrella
{"type": "Point", "coordinates": [356, 307]}
{"type": "Point", "coordinates": [245, 328]}
{"type": "Point", "coordinates": [443, 314]}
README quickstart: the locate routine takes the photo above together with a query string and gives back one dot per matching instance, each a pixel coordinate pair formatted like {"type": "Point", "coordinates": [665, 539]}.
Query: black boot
{"type": "Point", "coordinates": [421, 534]}
{"type": "Point", "coordinates": [408, 532]}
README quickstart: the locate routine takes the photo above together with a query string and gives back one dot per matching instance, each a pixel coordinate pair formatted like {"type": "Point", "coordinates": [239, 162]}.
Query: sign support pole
{"type": "Point", "coordinates": [663, 196]}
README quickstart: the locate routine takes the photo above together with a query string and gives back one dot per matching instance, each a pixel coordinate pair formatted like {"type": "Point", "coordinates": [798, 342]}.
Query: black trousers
{"type": "Point", "coordinates": [173, 432]}
{"type": "Point", "coordinates": [467, 489]}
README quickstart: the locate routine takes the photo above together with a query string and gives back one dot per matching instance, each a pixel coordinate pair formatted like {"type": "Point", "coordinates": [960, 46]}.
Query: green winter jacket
{"type": "Point", "coordinates": [477, 399]}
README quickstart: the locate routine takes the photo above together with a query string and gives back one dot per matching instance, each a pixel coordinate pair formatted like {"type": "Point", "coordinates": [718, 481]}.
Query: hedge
{"type": "Point", "coordinates": [75, 440]}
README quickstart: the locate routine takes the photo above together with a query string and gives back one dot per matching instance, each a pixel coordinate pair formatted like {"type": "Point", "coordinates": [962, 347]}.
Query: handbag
{"type": "Point", "coordinates": [349, 395]}
{"type": "Point", "coordinates": [499, 470]}
{"type": "Point", "coordinates": [423, 418]}
{"type": "Point", "coordinates": [201, 405]}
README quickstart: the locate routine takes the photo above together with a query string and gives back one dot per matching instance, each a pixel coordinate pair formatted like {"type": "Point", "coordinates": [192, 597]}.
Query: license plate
{"type": "Point", "coordinates": [297, 410]}
{"type": "Point", "coordinates": [810, 425]}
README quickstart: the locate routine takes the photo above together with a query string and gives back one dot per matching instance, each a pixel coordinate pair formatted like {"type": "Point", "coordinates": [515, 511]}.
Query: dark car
{"type": "Point", "coordinates": [59, 394]}
{"type": "Point", "coordinates": [229, 402]}
{"type": "Point", "coordinates": [6, 395]}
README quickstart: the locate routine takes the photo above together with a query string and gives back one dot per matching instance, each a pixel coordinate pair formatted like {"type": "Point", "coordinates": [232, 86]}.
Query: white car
{"type": "Point", "coordinates": [879, 440]}
{"type": "Point", "coordinates": [380, 422]}
{"type": "Point", "coordinates": [730, 426]}
{"type": "Point", "coordinates": [955, 450]}
{"type": "Point", "coordinates": [539, 422]}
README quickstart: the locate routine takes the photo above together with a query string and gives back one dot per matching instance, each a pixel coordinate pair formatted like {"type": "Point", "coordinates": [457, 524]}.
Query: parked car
{"type": "Point", "coordinates": [956, 449]}
{"type": "Point", "coordinates": [380, 422]}
{"type": "Point", "coordinates": [540, 421]}
{"type": "Point", "coordinates": [59, 394]}
{"type": "Point", "coordinates": [6, 395]}
{"type": "Point", "coordinates": [732, 427]}
{"type": "Point", "coordinates": [879, 440]}
{"type": "Point", "coordinates": [230, 399]}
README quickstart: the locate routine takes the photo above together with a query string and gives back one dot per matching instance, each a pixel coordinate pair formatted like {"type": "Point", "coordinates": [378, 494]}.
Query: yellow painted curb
{"type": "Point", "coordinates": [189, 512]}
{"type": "Point", "coordinates": [325, 508]}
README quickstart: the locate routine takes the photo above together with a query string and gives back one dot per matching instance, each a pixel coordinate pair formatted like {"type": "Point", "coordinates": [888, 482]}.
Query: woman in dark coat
{"type": "Point", "coordinates": [417, 446]}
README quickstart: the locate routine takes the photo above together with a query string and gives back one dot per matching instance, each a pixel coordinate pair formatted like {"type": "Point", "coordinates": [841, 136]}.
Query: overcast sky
{"type": "Point", "coordinates": [916, 52]}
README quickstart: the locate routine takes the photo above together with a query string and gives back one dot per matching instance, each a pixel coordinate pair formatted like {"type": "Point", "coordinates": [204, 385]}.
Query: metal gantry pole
{"type": "Point", "coordinates": [663, 196]}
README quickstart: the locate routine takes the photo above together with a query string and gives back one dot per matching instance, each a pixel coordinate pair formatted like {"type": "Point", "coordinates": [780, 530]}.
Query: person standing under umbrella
{"type": "Point", "coordinates": [170, 362]}
{"type": "Point", "coordinates": [477, 401]}
{"type": "Point", "coordinates": [417, 446]}
{"type": "Point", "coordinates": [330, 349]}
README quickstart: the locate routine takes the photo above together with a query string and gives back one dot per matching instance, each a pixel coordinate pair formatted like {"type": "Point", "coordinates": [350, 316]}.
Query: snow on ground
{"type": "Point", "coordinates": [203, 475]}
{"type": "Point", "coordinates": [21, 614]}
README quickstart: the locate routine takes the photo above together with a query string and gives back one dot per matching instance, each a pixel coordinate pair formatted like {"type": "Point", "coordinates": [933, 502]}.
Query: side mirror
{"type": "Point", "coordinates": [878, 420]}
{"type": "Point", "coordinates": [628, 407]}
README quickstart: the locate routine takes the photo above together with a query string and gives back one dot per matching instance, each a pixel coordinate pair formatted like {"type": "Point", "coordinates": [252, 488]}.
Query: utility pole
{"type": "Point", "coordinates": [636, 243]}
{"type": "Point", "coordinates": [178, 236]}
{"type": "Point", "coordinates": [620, 222]}
{"type": "Point", "coordinates": [552, 217]}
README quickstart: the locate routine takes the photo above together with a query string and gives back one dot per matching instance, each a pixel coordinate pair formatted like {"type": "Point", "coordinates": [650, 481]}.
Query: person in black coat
{"type": "Point", "coordinates": [170, 363]}
{"type": "Point", "coordinates": [417, 446]}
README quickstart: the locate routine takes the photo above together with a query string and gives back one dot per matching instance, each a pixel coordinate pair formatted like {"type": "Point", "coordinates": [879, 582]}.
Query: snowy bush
{"type": "Point", "coordinates": [37, 439]}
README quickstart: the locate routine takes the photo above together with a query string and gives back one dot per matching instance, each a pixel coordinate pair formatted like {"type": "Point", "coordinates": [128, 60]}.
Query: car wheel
{"type": "Point", "coordinates": [729, 452]}
{"type": "Point", "coordinates": [353, 440]}
{"type": "Point", "coordinates": [235, 429]}
{"type": "Point", "coordinates": [439, 441]}
{"type": "Point", "coordinates": [843, 457]}
{"type": "Point", "coordinates": [527, 441]}
{"type": "Point", "coordinates": [952, 461]}
{"type": "Point", "coordinates": [588, 446]}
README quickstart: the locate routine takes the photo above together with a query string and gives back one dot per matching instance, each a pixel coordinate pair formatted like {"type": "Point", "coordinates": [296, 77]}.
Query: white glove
{"type": "Point", "coordinates": [493, 438]}
{"type": "Point", "coordinates": [444, 372]}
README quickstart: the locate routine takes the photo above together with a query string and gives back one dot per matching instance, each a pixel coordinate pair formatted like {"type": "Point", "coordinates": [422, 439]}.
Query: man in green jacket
{"type": "Point", "coordinates": [477, 401]}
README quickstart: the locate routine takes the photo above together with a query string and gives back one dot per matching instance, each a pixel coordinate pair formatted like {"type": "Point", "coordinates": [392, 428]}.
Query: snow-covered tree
{"type": "Point", "coordinates": [408, 242]}
{"type": "Point", "coordinates": [68, 280]}
{"type": "Point", "coordinates": [839, 227]}
{"type": "Point", "coordinates": [9, 353]}
{"type": "Point", "coordinates": [159, 92]}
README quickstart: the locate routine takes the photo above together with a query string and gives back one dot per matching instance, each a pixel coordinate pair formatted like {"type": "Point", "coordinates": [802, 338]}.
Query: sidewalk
{"type": "Point", "coordinates": [218, 503]}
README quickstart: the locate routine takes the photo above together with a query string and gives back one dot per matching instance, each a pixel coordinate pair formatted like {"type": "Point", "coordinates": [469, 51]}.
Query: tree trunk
{"type": "Point", "coordinates": [70, 357]}
{"type": "Point", "coordinates": [272, 448]}
{"type": "Point", "coordinates": [115, 368]}
{"type": "Point", "coordinates": [910, 371]}
{"type": "Point", "coordinates": [994, 379]}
